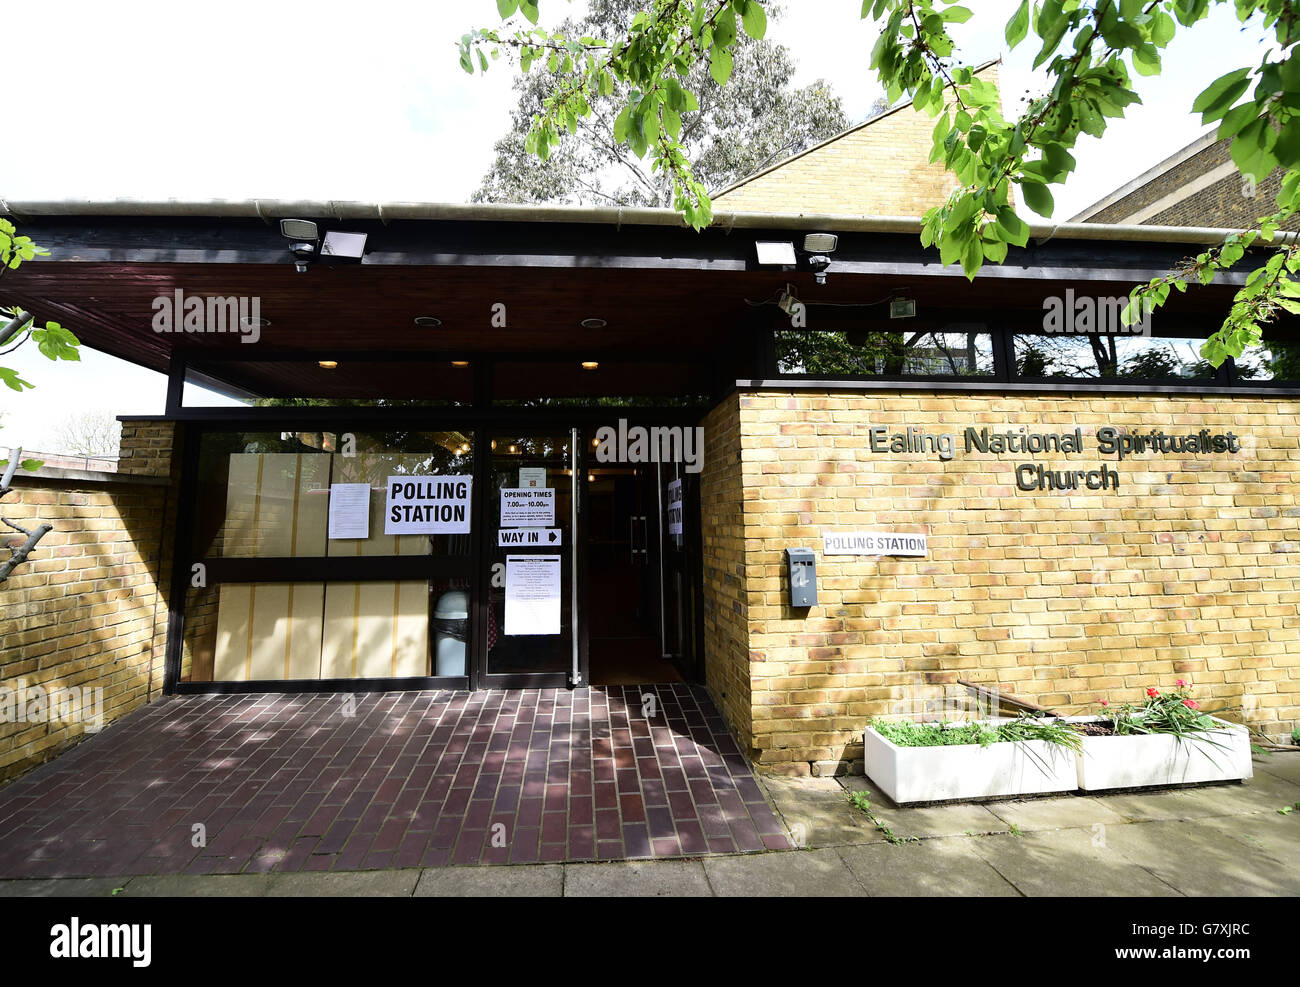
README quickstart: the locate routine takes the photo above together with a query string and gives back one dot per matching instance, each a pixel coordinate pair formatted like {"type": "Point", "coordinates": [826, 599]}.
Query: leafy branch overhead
{"type": "Point", "coordinates": [1091, 53]}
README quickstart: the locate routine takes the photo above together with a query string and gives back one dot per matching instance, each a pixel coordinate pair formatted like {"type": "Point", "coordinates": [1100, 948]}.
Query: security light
{"type": "Point", "coordinates": [902, 306]}
{"type": "Point", "coordinates": [299, 229]}
{"type": "Point", "coordinates": [351, 245]}
{"type": "Point", "coordinates": [820, 243]}
{"type": "Point", "coordinates": [778, 252]}
{"type": "Point", "coordinates": [303, 234]}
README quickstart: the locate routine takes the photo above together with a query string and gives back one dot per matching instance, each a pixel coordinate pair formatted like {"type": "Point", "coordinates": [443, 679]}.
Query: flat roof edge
{"type": "Point", "coordinates": [270, 210]}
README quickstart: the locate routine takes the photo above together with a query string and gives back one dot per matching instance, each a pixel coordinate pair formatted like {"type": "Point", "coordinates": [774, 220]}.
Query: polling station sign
{"type": "Point", "coordinates": [427, 505]}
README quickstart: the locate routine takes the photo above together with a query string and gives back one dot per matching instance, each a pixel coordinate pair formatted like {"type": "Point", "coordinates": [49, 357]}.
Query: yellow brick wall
{"type": "Point", "coordinates": [89, 609]}
{"type": "Point", "coordinates": [1191, 570]}
{"type": "Point", "coordinates": [726, 631]}
{"type": "Point", "coordinates": [880, 168]}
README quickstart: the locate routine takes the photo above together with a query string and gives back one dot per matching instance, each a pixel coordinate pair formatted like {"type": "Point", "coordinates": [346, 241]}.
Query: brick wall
{"type": "Point", "coordinates": [879, 168]}
{"type": "Point", "coordinates": [1191, 569]}
{"type": "Point", "coordinates": [726, 598]}
{"type": "Point", "coordinates": [1226, 203]}
{"type": "Point", "coordinates": [88, 610]}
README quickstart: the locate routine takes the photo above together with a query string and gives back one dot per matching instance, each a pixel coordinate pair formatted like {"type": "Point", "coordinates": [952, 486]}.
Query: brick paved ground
{"type": "Point", "coordinates": [425, 779]}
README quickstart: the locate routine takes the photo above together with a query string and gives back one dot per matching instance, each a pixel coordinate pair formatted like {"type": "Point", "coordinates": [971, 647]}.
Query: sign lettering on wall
{"type": "Point", "coordinates": [873, 543]}
{"type": "Point", "coordinates": [427, 505]}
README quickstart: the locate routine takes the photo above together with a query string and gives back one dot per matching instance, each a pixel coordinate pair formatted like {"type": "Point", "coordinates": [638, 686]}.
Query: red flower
{"type": "Point", "coordinates": [1191, 704]}
{"type": "Point", "coordinates": [1104, 703]}
{"type": "Point", "coordinates": [1153, 693]}
{"type": "Point", "coordinates": [1180, 683]}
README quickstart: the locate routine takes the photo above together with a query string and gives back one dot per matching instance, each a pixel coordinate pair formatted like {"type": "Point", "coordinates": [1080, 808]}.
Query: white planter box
{"type": "Point", "coordinates": [1162, 759]}
{"type": "Point", "coordinates": [968, 771]}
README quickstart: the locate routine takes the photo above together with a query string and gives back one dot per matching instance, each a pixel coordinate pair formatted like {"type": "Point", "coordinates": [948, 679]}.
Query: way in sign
{"type": "Point", "coordinates": [515, 537]}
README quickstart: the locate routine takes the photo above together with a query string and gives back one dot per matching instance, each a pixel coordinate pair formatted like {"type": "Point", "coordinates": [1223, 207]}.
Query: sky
{"type": "Point", "coordinates": [166, 100]}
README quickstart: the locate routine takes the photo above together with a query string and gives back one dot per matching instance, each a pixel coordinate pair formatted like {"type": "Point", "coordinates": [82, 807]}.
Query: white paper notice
{"type": "Point", "coordinates": [675, 507]}
{"type": "Point", "coordinates": [427, 505]}
{"type": "Point", "coordinates": [527, 508]}
{"type": "Point", "coordinates": [532, 477]}
{"type": "Point", "coordinates": [532, 594]}
{"type": "Point", "coordinates": [349, 510]}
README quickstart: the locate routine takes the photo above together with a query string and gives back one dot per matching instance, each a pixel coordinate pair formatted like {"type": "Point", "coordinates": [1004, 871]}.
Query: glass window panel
{"type": "Point", "coordinates": [255, 632]}
{"type": "Point", "coordinates": [1072, 356]}
{"type": "Point", "coordinates": [1276, 359]}
{"type": "Point", "coordinates": [950, 352]}
{"type": "Point", "coordinates": [266, 494]}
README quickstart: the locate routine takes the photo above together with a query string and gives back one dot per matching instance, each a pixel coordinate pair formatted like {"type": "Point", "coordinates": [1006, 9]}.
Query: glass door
{"type": "Point", "coordinates": [532, 637]}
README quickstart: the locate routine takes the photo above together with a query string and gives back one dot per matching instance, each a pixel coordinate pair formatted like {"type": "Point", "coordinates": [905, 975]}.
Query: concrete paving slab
{"type": "Point", "coordinates": [345, 884]}
{"type": "Point", "coordinates": [957, 819]}
{"type": "Point", "coordinates": [1276, 836]}
{"type": "Point", "coordinates": [948, 866]}
{"type": "Point", "coordinates": [637, 879]}
{"type": "Point", "coordinates": [925, 821]}
{"type": "Point", "coordinates": [1070, 863]}
{"type": "Point", "coordinates": [789, 874]}
{"type": "Point", "coordinates": [532, 881]}
{"type": "Point", "coordinates": [197, 886]}
{"type": "Point", "coordinates": [1201, 857]}
{"type": "Point", "coordinates": [1284, 765]}
{"type": "Point", "coordinates": [817, 812]}
{"type": "Point", "coordinates": [1156, 806]}
{"type": "Point", "coordinates": [73, 887]}
{"type": "Point", "coordinates": [1071, 812]}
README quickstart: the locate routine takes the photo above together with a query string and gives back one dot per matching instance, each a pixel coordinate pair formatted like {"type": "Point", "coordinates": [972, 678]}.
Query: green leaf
{"type": "Point", "coordinates": [1217, 98]}
{"type": "Point", "coordinates": [755, 20]}
{"type": "Point", "coordinates": [1018, 26]}
{"type": "Point", "coordinates": [507, 7]}
{"type": "Point", "coordinates": [529, 9]}
{"type": "Point", "coordinates": [1038, 198]}
{"type": "Point", "coordinates": [719, 65]}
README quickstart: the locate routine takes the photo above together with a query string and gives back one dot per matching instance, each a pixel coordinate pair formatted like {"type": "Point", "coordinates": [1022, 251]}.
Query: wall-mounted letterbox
{"type": "Point", "coordinates": [803, 576]}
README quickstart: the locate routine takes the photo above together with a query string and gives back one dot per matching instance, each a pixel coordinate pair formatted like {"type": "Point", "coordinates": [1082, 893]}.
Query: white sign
{"type": "Point", "coordinates": [349, 510]}
{"type": "Point", "coordinates": [532, 477]}
{"type": "Point", "coordinates": [527, 508]}
{"type": "Point", "coordinates": [675, 507]}
{"type": "Point", "coordinates": [532, 594]}
{"type": "Point", "coordinates": [873, 543]}
{"type": "Point", "coordinates": [526, 537]}
{"type": "Point", "coordinates": [427, 505]}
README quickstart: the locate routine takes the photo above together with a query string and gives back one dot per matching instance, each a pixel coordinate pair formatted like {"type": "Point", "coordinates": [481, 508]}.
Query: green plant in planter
{"type": "Point", "coordinates": [1174, 712]}
{"type": "Point", "coordinates": [1295, 736]}
{"type": "Point", "coordinates": [905, 733]}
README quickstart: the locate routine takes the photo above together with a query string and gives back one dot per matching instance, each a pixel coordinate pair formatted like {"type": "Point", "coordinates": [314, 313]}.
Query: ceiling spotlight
{"type": "Point", "coordinates": [428, 321]}
{"type": "Point", "coordinates": [327, 364]}
{"type": "Point", "coordinates": [589, 364]}
{"type": "Point", "coordinates": [593, 323]}
{"type": "Point", "coordinates": [778, 252]}
{"type": "Point", "coordinates": [250, 322]}
{"type": "Point", "coordinates": [460, 363]}
{"type": "Point", "coordinates": [303, 234]}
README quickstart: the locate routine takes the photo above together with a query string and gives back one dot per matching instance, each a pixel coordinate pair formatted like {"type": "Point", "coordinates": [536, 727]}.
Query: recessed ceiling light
{"type": "Point", "coordinates": [460, 363]}
{"type": "Point", "coordinates": [327, 364]}
{"type": "Point", "coordinates": [593, 323]}
{"type": "Point", "coordinates": [589, 364]}
{"type": "Point", "coordinates": [249, 321]}
{"type": "Point", "coordinates": [428, 321]}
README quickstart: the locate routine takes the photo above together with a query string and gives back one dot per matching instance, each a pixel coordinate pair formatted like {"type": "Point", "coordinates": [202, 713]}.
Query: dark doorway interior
{"type": "Point", "coordinates": [623, 598]}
